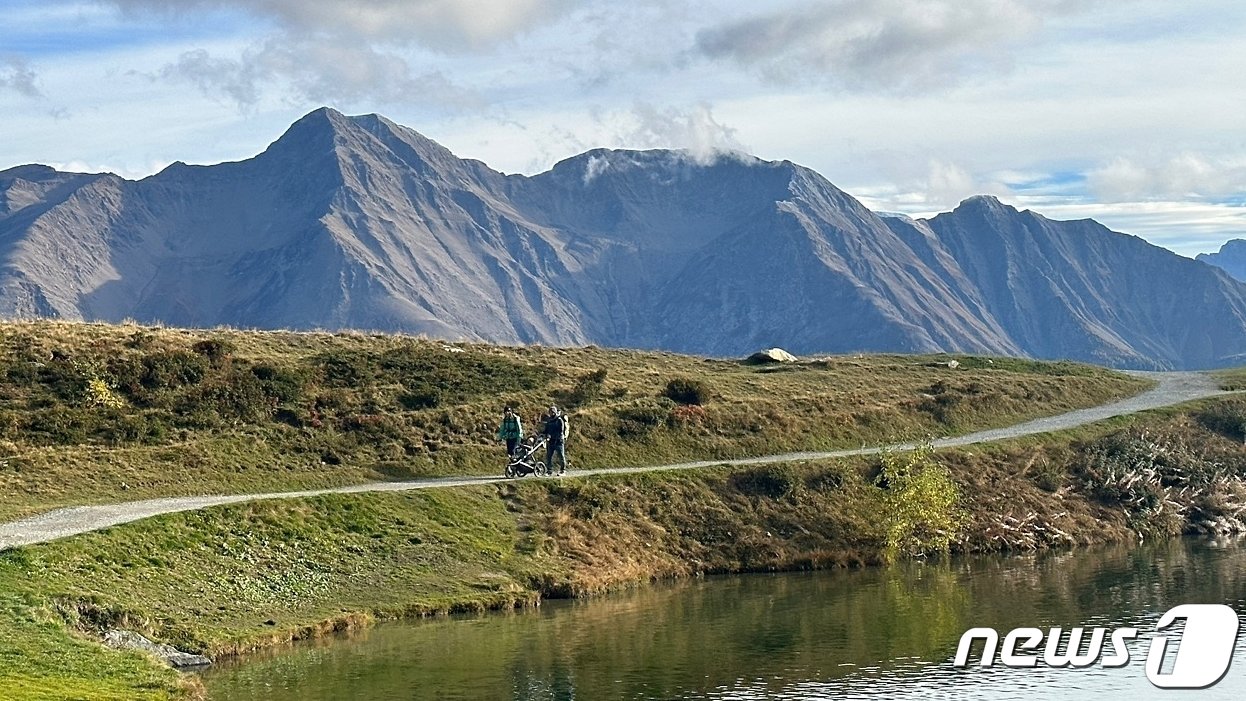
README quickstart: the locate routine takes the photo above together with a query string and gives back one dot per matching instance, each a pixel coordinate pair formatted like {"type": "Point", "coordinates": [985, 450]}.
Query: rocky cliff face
{"type": "Point", "coordinates": [1231, 257]}
{"type": "Point", "coordinates": [356, 222]}
{"type": "Point", "coordinates": [1076, 289]}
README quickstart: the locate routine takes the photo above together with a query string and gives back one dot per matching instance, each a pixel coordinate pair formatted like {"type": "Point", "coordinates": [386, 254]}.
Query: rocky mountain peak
{"type": "Point", "coordinates": [1233, 247]}
{"type": "Point", "coordinates": [33, 172]}
{"type": "Point", "coordinates": [984, 205]}
{"type": "Point", "coordinates": [1231, 257]}
{"type": "Point", "coordinates": [662, 165]}
{"type": "Point", "coordinates": [328, 128]}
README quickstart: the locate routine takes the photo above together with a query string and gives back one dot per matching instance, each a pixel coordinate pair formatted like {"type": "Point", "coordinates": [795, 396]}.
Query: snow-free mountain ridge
{"type": "Point", "coordinates": [357, 222]}
{"type": "Point", "coordinates": [1231, 257]}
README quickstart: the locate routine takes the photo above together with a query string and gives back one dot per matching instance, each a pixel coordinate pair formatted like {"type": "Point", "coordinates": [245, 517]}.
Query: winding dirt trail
{"type": "Point", "coordinates": [1171, 388]}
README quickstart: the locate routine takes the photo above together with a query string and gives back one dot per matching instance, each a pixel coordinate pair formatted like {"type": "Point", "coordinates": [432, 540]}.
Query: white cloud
{"type": "Point", "coordinates": [1187, 175]}
{"type": "Point", "coordinates": [447, 25]}
{"type": "Point", "coordinates": [326, 51]}
{"type": "Point", "coordinates": [1185, 227]}
{"type": "Point", "coordinates": [941, 187]}
{"type": "Point", "coordinates": [595, 166]}
{"type": "Point", "coordinates": [533, 139]}
{"type": "Point", "coordinates": [234, 79]}
{"type": "Point", "coordinates": [882, 45]}
{"type": "Point", "coordinates": [693, 129]}
{"type": "Point", "coordinates": [949, 183]}
{"type": "Point", "coordinates": [318, 73]}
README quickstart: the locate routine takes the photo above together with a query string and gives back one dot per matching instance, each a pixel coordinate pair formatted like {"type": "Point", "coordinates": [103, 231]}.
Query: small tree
{"type": "Point", "coordinates": [100, 394]}
{"type": "Point", "coordinates": [920, 511]}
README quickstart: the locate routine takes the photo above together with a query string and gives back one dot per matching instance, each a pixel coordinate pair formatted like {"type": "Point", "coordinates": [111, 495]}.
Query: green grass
{"type": "Point", "coordinates": [96, 413]}
{"type": "Point", "coordinates": [1232, 378]}
{"type": "Point", "coordinates": [40, 660]}
{"type": "Point", "coordinates": [214, 580]}
{"type": "Point", "coordinates": [234, 578]}
{"type": "Point", "coordinates": [228, 579]}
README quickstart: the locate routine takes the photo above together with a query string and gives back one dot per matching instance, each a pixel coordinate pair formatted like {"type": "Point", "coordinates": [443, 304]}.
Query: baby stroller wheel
{"type": "Point", "coordinates": [509, 471]}
{"type": "Point", "coordinates": [541, 469]}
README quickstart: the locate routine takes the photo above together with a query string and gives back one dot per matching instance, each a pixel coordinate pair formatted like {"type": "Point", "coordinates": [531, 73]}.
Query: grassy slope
{"type": "Point", "coordinates": [44, 662]}
{"type": "Point", "coordinates": [229, 579]}
{"type": "Point", "coordinates": [1232, 378]}
{"type": "Point", "coordinates": [98, 413]}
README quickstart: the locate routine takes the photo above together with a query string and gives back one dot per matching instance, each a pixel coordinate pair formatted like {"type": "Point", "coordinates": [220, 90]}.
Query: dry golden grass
{"type": "Point", "coordinates": [211, 411]}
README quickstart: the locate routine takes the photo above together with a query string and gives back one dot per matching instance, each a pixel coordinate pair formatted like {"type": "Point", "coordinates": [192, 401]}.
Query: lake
{"type": "Point", "coordinates": [872, 633]}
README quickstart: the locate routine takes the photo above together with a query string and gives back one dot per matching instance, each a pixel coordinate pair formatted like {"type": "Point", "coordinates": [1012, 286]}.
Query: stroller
{"type": "Point", "coordinates": [524, 461]}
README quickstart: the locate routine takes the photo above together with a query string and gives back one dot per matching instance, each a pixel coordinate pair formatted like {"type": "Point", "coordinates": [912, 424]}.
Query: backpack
{"type": "Point", "coordinates": [556, 428]}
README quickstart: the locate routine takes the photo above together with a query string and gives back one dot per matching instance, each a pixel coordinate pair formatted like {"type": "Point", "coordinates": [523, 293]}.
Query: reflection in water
{"type": "Point", "coordinates": [868, 633]}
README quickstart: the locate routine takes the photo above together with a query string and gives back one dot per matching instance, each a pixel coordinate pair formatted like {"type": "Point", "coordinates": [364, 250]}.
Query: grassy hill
{"type": "Point", "coordinates": [93, 412]}
{"type": "Point", "coordinates": [234, 578]}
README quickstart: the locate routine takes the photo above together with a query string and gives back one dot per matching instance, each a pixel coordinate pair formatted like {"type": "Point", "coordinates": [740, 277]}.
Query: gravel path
{"type": "Point", "coordinates": [1172, 388]}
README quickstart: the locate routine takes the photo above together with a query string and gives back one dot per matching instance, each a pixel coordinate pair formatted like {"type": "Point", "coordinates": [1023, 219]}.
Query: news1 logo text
{"type": "Point", "coordinates": [1203, 651]}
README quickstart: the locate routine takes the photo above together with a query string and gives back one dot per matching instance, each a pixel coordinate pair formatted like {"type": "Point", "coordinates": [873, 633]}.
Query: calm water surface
{"type": "Point", "coordinates": [860, 634]}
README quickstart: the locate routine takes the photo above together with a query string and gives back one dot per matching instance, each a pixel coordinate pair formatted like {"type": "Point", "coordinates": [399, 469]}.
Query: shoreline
{"type": "Point", "coordinates": [1041, 520]}
{"type": "Point", "coordinates": [522, 542]}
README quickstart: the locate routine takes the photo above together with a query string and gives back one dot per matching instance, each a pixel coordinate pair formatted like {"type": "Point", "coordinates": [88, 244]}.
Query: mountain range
{"type": "Point", "coordinates": [357, 222]}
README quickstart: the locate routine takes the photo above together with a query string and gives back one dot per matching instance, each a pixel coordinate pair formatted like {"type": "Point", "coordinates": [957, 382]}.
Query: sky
{"type": "Point", "coordinates": [1131, 112]}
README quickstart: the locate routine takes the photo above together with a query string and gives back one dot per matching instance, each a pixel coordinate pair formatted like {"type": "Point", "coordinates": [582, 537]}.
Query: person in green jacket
{"type": "Point", "coordinates": [510, 431]}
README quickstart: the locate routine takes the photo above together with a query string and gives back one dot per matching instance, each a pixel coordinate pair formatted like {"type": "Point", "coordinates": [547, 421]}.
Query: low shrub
{"type": "Point", "coordinates": [942, 402]}
{"type": "Point", "coordinates": [1228, 418]}
{"type": "Point", "coordinates": [422, 397]}
{"type": "Point", "coordinates": [99, 394]}
{"type": "Point", "coordinates": [1154, 479]}
{"type": "Point", "coordinates": [344, 369]}
{"type": "Point", "coordinates": [686, 416]}
{"type": "Point", "coordinates": [59, 426]}
{"type": "Point", "coordinates": [167, 370]}
{"type": "Point", "coordinates": [587, 389]}
{"type": "Point", "coordinates": [283, 384]}
{"type": "Point", "coordinates": [216, 350]}
{"type": "Point", "coordinates": [1049, 477]}
{"type": "Point", "coordinates": [830, 479]}
{"type": "Point", "coordinates": [772, 481]}
{"type": "Point", "coordinates": [145, 428]}
{"type": "Point", "coordinates": [458, 377]}
{"type": "Point", "coordinates": [685, 390]}
{"type": "Point", "coordinates": [237, 395]}
{"type": "Point", "coordinates": [64, 378]}
{"type": "Point", "coordinates": [372, 426]}
{"type": "Point", "coordinates": [643, 416]}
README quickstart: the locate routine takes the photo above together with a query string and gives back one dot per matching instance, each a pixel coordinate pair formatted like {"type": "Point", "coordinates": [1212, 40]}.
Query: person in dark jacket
{"type": "Point", "coordinates": [510, 431]}
{"type": "Point", "coordinates": [555, 432]}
